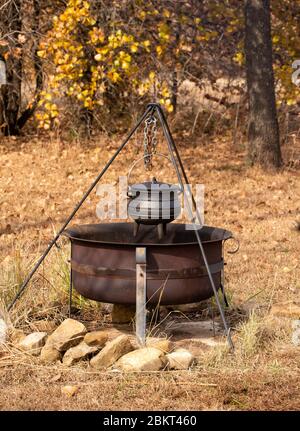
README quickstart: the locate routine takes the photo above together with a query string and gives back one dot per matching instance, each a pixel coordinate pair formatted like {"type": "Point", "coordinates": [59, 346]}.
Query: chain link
{"type": "Point", "coordinates": [150, 141]}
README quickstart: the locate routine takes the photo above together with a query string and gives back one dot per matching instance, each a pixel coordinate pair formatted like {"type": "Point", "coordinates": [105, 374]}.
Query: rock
{"type": "Point", "coordinates": [43, 326]}
{"type": "Point", "coordinates": [69, 390]}
{"type": "Point", "coordinates": [296, 324]}
{"type": "Point", "coordinates": [106, 308]}
{"type": "Point", "coordinates": [189, 308]}
{"type": "Point", "coordinates": [193, 330]}
{"type": "Point", "coordinates": [180, 359]}
{"type": "Point", "coordinates": [112, 351]}
{"type": "Point", "coordinates": [69, 333]}
{"type": "Point", "coordinates": [213, 341]}
{"type": "Point", "coordinates": [289, 309]}
{"type": "Point", "coordinates": [122, 313]}
{"type": "Point", "coordinates": [249, 307]}
{"type": "Point", "coordinates": [33, 343]}
{"type": "Point", "coordinates": [164, 345]}
{"type": "Point", "coordinates": [3, 331]}
{"type": "Point", "coordinates": [296, 332]}
{"type": "Point", "coordinates": [81, 351]}
{"type": "Point", "coordinates": [296, 337]}
{"type": "Point", "coordinates": [50, 355]}
{"type": "Point", "coordinates": [96, 338]}
{"type": "Point", "coordinates": [145, 359]}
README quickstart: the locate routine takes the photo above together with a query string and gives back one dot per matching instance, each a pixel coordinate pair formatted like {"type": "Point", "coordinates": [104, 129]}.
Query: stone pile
{"type": "Point", "coordinates": [71, 342]}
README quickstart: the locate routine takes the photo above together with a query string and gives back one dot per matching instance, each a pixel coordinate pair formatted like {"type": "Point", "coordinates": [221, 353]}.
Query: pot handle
{"type": "Point", "coordinates": [142, 158]}
{"type": "Point", "coordinates": [236, 249]}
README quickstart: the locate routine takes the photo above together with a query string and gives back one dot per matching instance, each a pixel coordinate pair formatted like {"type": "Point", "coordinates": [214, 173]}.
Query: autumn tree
{"type": "Point", "coordinates": [100, 62]}
{"type": "Point", "coordinates": [11, 92]}
{"type": "Point", "coordinates": [110, 56]}
{"type": "Point", "coordinates": [263, 131]}
{"type": "Point", "coordinates": [20, 31]}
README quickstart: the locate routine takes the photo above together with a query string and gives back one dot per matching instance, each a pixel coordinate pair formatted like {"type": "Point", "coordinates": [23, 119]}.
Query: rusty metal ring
{"type": "Point", "coordinates": [237, 245]}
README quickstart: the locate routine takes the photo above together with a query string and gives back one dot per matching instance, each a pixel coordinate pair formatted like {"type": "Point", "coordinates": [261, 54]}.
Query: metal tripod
{"type": "Point", "coordinates": [152, 109]}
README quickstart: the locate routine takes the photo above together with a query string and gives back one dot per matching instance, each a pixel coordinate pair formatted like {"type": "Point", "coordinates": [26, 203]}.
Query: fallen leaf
{"type": "Point", "coordinates": [69, 390]}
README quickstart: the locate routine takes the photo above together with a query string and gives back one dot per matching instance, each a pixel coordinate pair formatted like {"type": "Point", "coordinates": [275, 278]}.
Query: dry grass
{"type": "Point", "coordinates": [31, 388]}
{"type": "Point", "coordinates": [40, 183]}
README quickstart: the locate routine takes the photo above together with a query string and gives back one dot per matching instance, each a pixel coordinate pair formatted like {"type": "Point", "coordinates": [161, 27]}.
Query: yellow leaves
{"type": "Point", "coordinates": [165, 92]}
{"type": "Point", "coordinates": [146, 44]}
{"type": "Point", "coordinates": [47, 96]}
{"type": "Point", "coordinates": [125, 60]}
{"type": "Point", "coordinates": [134, 47]}
{"type": "Point", "coordinates": [275, 39]}
{"type": "Point", "coordinates": [207, 36]}
{"type": "Point", "coordinates": [142, 14]}
{"type": "Point", "coordinates": [164, 32]}
{"type": "Point", "coordinates": [96, 35]}
{"type": "Point", "coordinates": [239, 58]}
{"type": "Point", "coordinates": [291, 102]}
{"type": "Point", "coordinates": [159, 50]}
{"type": "Point", "coordinates": [125, 65]}
{"type": "Point", "coordinates": [125, 56]}
{"type": "Point", "coordinates": [166, 13]}
{"type": "Point", "coordinates": [53, 110]}
{"type": "Point", "coordinates": [41, 54]}
{"type": "Point", "coordinates": [143, 88]}
{"type": "Point", "coordinates": [115, 57]}
{"type": "Point", "coordinates": [113, 76]}
{"type": "Point", "coordinates": [170, 107]}
{"type": "Point", "coordinates": [89, 21]}
{"type": "Point", "coordinates": [88, 103]}
{"type": "Point", "coordinates": [152, 76]}
{"type": "Point", "coordinates": [125, 38]}
{"type": "Point", "coordinates": [168, 104]}
{"type": "Point", "coordinates": [63, 17]}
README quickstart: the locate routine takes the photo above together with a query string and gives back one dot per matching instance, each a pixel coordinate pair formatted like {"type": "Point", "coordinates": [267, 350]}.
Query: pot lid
{"type": "Point", "coordinates": [154, 186]}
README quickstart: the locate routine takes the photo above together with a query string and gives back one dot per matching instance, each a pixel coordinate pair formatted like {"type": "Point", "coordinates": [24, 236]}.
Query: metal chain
{"type": "Point", "coordinates": [150, 141]}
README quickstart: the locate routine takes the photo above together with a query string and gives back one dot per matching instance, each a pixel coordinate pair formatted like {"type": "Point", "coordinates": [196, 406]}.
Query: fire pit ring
{"type": "Point", "coordinates": [103, 262]}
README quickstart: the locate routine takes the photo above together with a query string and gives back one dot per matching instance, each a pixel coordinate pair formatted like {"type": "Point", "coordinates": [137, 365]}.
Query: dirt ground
{"type": "Point", "coordinates": [42, 179]}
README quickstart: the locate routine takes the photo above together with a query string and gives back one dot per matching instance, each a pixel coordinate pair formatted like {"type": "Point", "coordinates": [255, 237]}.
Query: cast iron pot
{"type": "Point", "coordinates": [153, 202]}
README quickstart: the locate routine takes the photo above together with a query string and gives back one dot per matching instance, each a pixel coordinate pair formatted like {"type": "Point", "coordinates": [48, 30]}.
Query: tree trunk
{"type": "Point", "coordinates": [38, 66]}
{"type": "Point", "coordinates": [12, 91]}
{"type": "Point", "coordinates": [263, 130]}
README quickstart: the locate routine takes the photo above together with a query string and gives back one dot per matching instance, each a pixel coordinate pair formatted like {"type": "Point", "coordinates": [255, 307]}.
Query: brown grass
{"type": "Point", "coordinates": [40, 183]}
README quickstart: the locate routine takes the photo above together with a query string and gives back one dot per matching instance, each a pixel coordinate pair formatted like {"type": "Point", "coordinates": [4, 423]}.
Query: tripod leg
{"type": "Point", "coordinates": [70, 292]}
{"type": "Point", "coordinates": [160, 230]}
{"type": "Point", "coordinates": [172, 149]}
{"type": "Point", "coordinates": [141, 296]}
{"type": "Point", "coordinates": [136, 227]}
